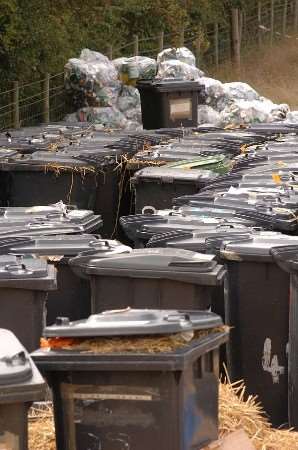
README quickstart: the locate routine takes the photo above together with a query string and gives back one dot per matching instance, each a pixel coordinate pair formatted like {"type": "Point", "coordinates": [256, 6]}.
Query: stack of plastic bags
{"type": "Point", "coordinates": [236, 104]}
{"type": "Point", "coordinates": [104, 91]}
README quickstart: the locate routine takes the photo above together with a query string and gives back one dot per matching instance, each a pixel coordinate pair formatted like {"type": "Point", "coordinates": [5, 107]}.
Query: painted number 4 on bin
{"type": "Point", "coordinates": [269, 364]}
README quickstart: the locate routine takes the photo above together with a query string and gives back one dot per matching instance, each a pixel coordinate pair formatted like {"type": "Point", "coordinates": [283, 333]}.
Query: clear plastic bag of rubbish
{"type": "Point", "coordinates": [176, 69]}
{"type": "Point", "coordinates": [91, 68]}
{"type": "Point", "coordinates": [182, 54]}
{"type": "Point", "coordinates": [129, 98]}
{"type": "Point", "coordinates": [206, 114]}
{"type": "Point", "coordinates": [240, 91]}
{"type": "Point", "coordinates": [143, 66]}
{"type": "Point", "coordinates": [292, 117]}
{"type": "Point", "coordinates": [109, 117]}
{"type": "Point", "coordinates": [280, 112]}
{"type": "Point", "coordinates": [133, 126]}
{"type": "Point", "coordinates": [246, 112]}
{"type": "Point", "coordinates": [213, 91]}
{"type": "Point", "coordinates": [134, 114]}
{"type": "Point", "coordinates": [108, 95]}
{"type": "Point", "coordinates": [91, 55]}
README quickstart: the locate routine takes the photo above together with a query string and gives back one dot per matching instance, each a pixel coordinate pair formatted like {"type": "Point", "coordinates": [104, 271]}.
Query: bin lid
{"type": "Point", "coordinates": [160, 263]}
{"type": "Point", "coordinates": [130, 322]}
{"type": "Point", "coordinates": [26, 272]}
{"type": "Point", "coordinates": [15, 365]}
{"type": "Point", "coordinates": [286, 257]}
{"type": "Point", "coordinates": [14, 267]}
{"type": "Point", "coordinates": [169, 85]}
{"type": "Point", "coordinates": [196, 241]}
{"type": "Point", "coordinates": [20, 380]}
{"type": "Point", "coordinates": [68, 245]}
{"type": "Point", "coordinates": [171, 175]}
{"type": "Point", "coordinates": [256, 247]}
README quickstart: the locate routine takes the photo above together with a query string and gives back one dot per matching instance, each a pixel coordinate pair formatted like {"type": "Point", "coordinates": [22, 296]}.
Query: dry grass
{"type": "Point", "coordinates": [273, 72]}
{"type": "Point", "coordinates": [141, 344]}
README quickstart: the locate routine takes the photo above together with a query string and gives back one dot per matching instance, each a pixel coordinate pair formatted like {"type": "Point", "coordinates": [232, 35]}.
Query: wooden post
{"type": "Point", "coordinates": [296, 15]}
{"type": "Point", "coordinates": [216, 46]}
{"type": "Point", "coordinates": [259, 23]}
{"type": "Point", "coordinates": [161, 41]}
{"type": "Point", "coordinates": [285, 17]}
{"type": "Point", "coordinates": [136, 45]}
{"type": "Point", "coordinates": [236, 50]}
{"type": "Point", "coordinates": [16, 104]}
{"type": "Point", "coordinates": [272, 23]}
{"type": "Point", "coordinates": [198, 53]}
{"type": "Point", "coordinates": [110, 52]}
{"type": "Point", "coordinates": [181, 40]}
{"type": "Point", "coordinates": [46, 98]}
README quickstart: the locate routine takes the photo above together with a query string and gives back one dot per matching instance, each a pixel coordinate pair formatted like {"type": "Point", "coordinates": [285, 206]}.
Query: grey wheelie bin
{"type": "Point", "coordinates": [20, 385]}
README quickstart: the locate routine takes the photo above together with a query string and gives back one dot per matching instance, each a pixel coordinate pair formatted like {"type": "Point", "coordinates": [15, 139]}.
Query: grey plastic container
{"type": "Point", "coordinates": [47, 220]}
{"type": "Point", "coordinates": [72, 298]}
{"type": "Point", "coordinates": [135, 399]}
{"type": "Point", "coordinates": [20, 385]}
{"type": "Point", "coordinates": [24, 286]}
{"type": "Point", "coordinates": [157, 186]}
{"type": "Point", "coordinates": [257, 309]}
{"type": "Point", "coordinates": [151, 278]}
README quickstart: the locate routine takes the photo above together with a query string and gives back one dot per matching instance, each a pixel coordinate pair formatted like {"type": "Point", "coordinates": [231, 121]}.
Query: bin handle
{"type": "Point", "coordinates": [149, 210]}
{"type": "Point", "coordinates": [175, 317]}
{"type": "Point", "coordinates": [18, 358]}
{"type": "Point", "coordinates": [16, 266]}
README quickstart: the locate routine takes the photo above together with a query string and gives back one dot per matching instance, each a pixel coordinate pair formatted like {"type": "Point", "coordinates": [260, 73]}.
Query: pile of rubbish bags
{"type": "Point", "coordinates": [104, 91]}
{"type": "Point", "coordinates": [236, 103]}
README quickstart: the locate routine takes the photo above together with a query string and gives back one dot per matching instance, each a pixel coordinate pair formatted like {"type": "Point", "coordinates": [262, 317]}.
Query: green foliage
{"type": "Point", "coordinates": [38, 36]}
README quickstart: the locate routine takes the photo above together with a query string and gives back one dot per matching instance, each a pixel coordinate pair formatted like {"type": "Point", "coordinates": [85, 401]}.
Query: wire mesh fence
{"type": "Point", "coordinates": [264, 23]}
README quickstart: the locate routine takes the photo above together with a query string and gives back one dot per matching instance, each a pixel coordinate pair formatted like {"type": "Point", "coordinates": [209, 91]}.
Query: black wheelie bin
{"type": "Point", "coordinates": [257, 309]}
{"type": "Point", "coordinates": [72, 297]}
{"type": "Point", "coordinates": [151, 278]}
{"type": "Point", "coordinates": [287, 259]}
{"type": "Point", "coordinates": [24, 286]}
{"type": "Point", "coordinates": [120, 381]}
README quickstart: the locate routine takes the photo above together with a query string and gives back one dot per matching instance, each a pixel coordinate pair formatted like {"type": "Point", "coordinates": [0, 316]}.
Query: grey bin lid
{"type": "Point", "coordinates": [257, 247]}
{"type": "Point", "coordinates": [15, 366]}
{"type": "Point", "coordinates": [26, 272]}
{"type": "Point", "coordinates": [160, 263]}
{"type": "Point", "coordinates": [199, 237]}
{"type": "Point", "coordinates": [131, 322]}
{"type": "Point", "coordinates": [68, 245]}
{"type": "Point", "coordinates": [20, 380]}
{"type": "Point", "coordinates": [169, 175]}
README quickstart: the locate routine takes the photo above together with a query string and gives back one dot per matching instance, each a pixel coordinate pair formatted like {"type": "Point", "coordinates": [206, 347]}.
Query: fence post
{"type": "Point", "coordinates": [161, 41]}
{"type": "Point", "coordinates": [16, 105]}
{"type": "Point", "coordinates": [46, 98]}
{"type": "Point", "coordinates": [198, 54]}
{"type": "Point", "coordinates": [110, 52]}
{"type": "Point", "coordinates": [216, 47]}
{"type": "Point", "coordinates": [259, 23]}
{"type": "Point", "coordinates": [181, 40]}
{"type": "Point", "coordinates": [285, 17]}
{"type": "Point", "coordinates": [136, 45]}
{"type": "Point", "coordinates": [296, 15]}
{"type": "Point", "coordinates": [236, 50]}
{"type": "Point", "coordinates": [272, 23]}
